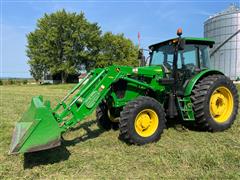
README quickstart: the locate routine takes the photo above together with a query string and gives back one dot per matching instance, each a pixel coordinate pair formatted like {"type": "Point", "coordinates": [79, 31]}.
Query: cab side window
{"type": "Point", "coordinates": [204, 57]}
{"type": "Point", "coordinates": [187, 58]}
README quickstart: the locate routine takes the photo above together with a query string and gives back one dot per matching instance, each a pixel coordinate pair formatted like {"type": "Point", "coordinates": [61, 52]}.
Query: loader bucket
{"type": "Point", "coordinates": [37, 130]}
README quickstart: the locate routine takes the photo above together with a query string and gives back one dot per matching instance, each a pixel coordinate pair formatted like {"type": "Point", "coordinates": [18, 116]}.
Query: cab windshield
{"type": "Point", "coordinates": [193, 56]}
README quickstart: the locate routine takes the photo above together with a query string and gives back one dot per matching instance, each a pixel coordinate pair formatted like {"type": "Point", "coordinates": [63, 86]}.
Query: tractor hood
{"type": "Point", "coordinates": [150, 69]}
{"type": "Point", "coordinates": [142, 70]}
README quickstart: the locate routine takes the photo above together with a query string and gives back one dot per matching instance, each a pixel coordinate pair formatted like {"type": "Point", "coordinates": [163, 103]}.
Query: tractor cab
{"type": "Point", "coordinates": [181, 58]}
{"type": "Point", "coordinates": [193, 55]}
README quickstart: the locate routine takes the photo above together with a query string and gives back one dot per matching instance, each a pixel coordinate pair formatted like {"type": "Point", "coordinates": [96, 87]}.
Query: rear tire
{"type": "Point", "coordinates": [215, 103]}
{"type": "Point", "coordinates": [142, 121]}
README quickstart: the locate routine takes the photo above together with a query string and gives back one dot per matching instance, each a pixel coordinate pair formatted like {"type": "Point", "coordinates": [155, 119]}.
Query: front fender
{"type": "Point", "coordinates": [195, 79]}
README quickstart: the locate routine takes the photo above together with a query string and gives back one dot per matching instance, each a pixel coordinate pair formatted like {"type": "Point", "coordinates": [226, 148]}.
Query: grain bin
{"type": "Point", "coordinates": [224, 29]}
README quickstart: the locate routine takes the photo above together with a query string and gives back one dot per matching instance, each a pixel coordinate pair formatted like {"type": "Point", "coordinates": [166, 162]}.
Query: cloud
{"type": "Point", "coordinates": [202, 12]}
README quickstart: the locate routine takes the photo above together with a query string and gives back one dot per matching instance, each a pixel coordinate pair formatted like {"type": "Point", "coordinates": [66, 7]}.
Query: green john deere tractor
{"type": "Point", "coordinates": [176, 82]}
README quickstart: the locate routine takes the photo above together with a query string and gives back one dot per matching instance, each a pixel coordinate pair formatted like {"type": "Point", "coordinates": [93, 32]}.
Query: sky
{"type": "Point", "coordinates": [156, 20]}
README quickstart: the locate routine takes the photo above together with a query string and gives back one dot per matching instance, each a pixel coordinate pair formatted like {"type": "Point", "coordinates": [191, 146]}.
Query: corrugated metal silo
{"type": "Point", "coordinates": [224, 28]}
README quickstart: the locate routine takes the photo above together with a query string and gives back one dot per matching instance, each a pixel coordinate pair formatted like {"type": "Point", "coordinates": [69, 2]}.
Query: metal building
{"type": "Point", "coordinates": [224, 29]}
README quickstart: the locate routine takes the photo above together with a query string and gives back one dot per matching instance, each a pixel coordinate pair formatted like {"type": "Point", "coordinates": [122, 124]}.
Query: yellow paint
{"type": "Point", "coordinates": [146, 122]}
{"type": "Point", "coordinates": [221, 104]}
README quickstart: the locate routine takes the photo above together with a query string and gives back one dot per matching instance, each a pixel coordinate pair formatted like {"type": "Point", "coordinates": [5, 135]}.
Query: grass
{"type": "Point", "coordinates": [88, 152]}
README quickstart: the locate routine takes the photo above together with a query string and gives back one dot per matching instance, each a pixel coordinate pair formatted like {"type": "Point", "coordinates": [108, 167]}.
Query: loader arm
{"type": "Point", "coordinates": [41, 126]}
{"type": "Point", "coordinates": [90, 92]}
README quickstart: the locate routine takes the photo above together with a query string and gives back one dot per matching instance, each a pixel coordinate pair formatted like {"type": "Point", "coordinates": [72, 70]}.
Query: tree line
{"type": "Point", "coordinates": [63, 41]}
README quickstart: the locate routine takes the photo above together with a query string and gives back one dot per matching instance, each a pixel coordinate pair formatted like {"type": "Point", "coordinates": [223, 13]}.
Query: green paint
{"type": "Point", "coordinates": [185, 107]}
{"type": "Point", "coordinates": [196, 78]}
{"type": "Point", "coordinates": [192, 40]}
{"type": "Point", "coordinates": [37, 128]}
{"type": "Point", "coordinates": [196, 39]}
{"type": "Point", "coordinates": [92, 99]}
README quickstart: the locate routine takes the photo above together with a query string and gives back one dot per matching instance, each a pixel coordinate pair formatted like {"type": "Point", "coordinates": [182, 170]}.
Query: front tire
{"type": "Point", "coordinates": [103, 119]}
{"type": "Point", "coordinates": [215, 103]}
{"type": "Point", "coordinates": [142, 121]}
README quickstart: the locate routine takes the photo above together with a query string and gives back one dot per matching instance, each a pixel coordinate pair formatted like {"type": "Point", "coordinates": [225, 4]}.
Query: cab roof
{"type": "Point", "coordinates": [188, 40]}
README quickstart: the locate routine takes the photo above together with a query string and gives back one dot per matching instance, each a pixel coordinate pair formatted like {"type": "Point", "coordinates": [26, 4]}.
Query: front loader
{"type": "Point", "coordinates": [177, 83]}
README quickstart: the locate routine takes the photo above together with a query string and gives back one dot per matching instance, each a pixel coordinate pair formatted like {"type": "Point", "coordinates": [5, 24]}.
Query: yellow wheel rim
{"type": "Point", "coordinates": [221, 104]}
{"type": "Point", "coordinates": [146, 122]}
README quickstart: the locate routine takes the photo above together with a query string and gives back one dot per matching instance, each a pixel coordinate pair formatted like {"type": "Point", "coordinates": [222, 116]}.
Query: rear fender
{"type": "Point", "coordinates": [195, 79]}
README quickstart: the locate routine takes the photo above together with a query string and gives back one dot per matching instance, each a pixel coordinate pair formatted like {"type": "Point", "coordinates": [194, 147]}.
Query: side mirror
{"type": "Point", "coordinates": [141, 58]}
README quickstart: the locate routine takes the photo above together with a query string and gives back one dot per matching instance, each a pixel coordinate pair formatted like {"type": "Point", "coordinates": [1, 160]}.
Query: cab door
{"type": "Point", "coordinates": [187, 66]}
{"type": "Point", "coordinates": [192, 60]}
